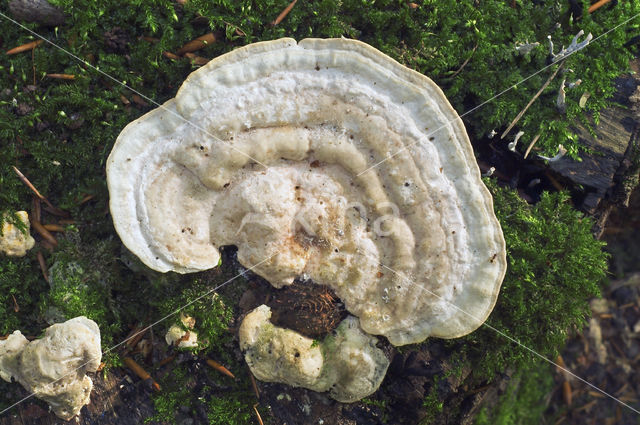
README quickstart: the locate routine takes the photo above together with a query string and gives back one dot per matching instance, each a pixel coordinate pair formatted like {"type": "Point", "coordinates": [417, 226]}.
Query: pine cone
{"type": "Point", "coordinates": [116, 40]}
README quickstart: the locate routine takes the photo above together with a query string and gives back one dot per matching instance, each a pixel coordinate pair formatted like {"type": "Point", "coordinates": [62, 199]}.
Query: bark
{"type": "Point", "coordinates": [39, 11]}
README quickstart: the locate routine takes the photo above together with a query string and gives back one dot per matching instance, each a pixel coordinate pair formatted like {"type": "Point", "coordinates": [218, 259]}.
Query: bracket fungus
{"type": "Point", "coordinates": [324, 160]}
{"type": "Point", "coordinates": [54, 367]}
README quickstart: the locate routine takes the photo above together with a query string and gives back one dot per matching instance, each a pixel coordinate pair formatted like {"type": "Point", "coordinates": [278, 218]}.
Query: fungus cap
{"type": "Point", "coordinates": [324, 159]}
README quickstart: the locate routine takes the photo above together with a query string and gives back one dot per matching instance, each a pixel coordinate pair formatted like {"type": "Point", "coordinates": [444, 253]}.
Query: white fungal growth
{"type": "Point", "coordinates": [561, 103]}
{"type": "Point", "coordinates": [525, 48]}
{"type": "Point", "coordinates": [337, 163]}
{"type": "Point", "coordinates": [54, 367]}
{"type": "Point", "coordinates": [573, 47]}
{"type": "Point", "coordinates": [561, 152]}
{"type": "Point", "coordinates": [512, 145]}
{"type": "Point", "coordinates": [346, 363]}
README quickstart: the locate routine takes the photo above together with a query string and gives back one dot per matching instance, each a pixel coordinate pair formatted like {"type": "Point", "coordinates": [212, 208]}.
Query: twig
{"type": "Point", "coordinates": [16, 307]}
{"type": "Point", "coordinates": [43, 232]}
{"type": "Point", "coordinates": [54, 210]}
{"type": "Point", "coordinates": [54, 228]}
{"type": "Point", "coordinates": [36, 210]}
{"type": "Point", "coordinates": [465, 62]}
{"type": "Point", "coordinates": [533, 99]}
{"type": "Point", "coordinates": [197, 44]}
{"type": "Point", "coordinates": [61, 76]}
{"type": "Point", "coordinates": [25, 47]}
{"type": "Point", "coordinates": [284, 13]}
{"type": "Point", "coordinates": [134, 337]}
{"type": "Point", "coordinates": [138, 370]}
{"type": "Point", "coordinates": [597, 5]}
{"type": "Point", "coordinates": [254, 385]}
{"type": "Point", "coordinates": [170, 55]}
{"type": "Point", "coordinates": [217, 366]}
{"type": "Point", "coordinates": [533, 142]}
{"type": "Point", "coordinates": [257, 414]}
{"type": "Point", "coordinates": [165, 361]}
{"type": "Point", "coordinates": [43, 266]}
{"type": "Point", "coordinates": [196, 60]}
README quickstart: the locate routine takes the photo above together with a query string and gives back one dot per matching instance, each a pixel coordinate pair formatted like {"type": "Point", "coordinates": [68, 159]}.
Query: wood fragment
{"type": "Point", "coordinates": [465, 62]}
{"type": "Point", "coordinates": [284, 13]}
{"type": "Point", "coordinates": [597, 5]}
{"type": "Point", "coordinates": [255, 409]}
{"type": "Point", "coordinates": [217, 366]}
{"type": "Point", "coordinates": [197, 44]}
{"type": "Point", "coordinates": [64, 222]}
{"type": "Point", "coordinates": [86, 199]}
{"type": "Point", "coordinates": [150, 39]}
{"type": "Point", "coordinates": [166, 360]}
{"type": "Point", "coordinates": [124, 100]}
{"type": "Point", "coordinates": [16, 307]}
{"type": "Point", "coordinates": [61, 76]}
{"type": "Point", "coordinates": [138, 100]}
{"type": "Point", "coordinates": [27, 182]}
{"type": "Point", "coordinates": [54, 228]}
{"type": "Point", "coordinates": [566, 393]}
{"type": "Point", "coordinates": [254, 385]}
{"type": "Point", "coordinates": [46, 235]}
{"type": "Point", "coordinates": [586, 406]}
{"type": "Point", "coordinates": [596, 394]}
{"type": "Point", "coordinates": [533, 99]}
{"type": "Point", "coordinates": [54, 210]}
{"type": "Point", "coordinates": [36, 210]}
{"type": "Point", "coordinates": [413, 5]}
{"type": "Point", "coordinates": [556, 184]}
{"type": "Point", "coordinates": [101, 366]}
{"type": "Point", "coordinates": [196, 60]}
{"type": "Point", "coordinates": [170, 55]}
{"type": "Point", "coordinates": [43, 266]}
{"type": "Point", "coordinates": [138, 370]}
{"type": "Point", "coordinates": [533, 142]}
{"type": "Point", "coordinates": [135, 336]}
{"type": "Point", "coordinates": [24, 48]}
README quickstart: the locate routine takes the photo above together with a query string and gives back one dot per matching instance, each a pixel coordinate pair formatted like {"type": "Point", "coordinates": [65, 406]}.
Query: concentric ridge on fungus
{"type": "Point", "coordinates": [319, 114]}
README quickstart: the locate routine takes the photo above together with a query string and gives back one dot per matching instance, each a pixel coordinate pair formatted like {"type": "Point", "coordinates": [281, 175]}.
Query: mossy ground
{"type": "Point", "coordinates": [60, 132]}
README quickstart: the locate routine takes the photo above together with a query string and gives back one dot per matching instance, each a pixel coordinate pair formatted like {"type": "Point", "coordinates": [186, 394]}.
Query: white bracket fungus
{"type": "Point", "coordinates": [346, 363]}
{"type": "Point", "coordinates": [12, 241]}
{"type": "Point", "coordinates": [371, 186]}
{"type": "Point", "coordinates": [54, 367]}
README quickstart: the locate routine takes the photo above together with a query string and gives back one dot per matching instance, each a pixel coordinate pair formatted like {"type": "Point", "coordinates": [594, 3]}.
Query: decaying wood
{"type": "Point", "coordinates": [39, 11]}
{"type": "Point", "coordinates": [608, 171]}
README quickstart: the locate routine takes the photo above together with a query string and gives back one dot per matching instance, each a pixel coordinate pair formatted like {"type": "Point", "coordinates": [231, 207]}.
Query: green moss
{"type": "Point", "coordinates": [59, 134]}
{"type": "Point", "coordinates": [523, 402]}
{"type": "Point", "coordinates": [211, 312]}
{"type": "Point", "coordinates": [554, 266]}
